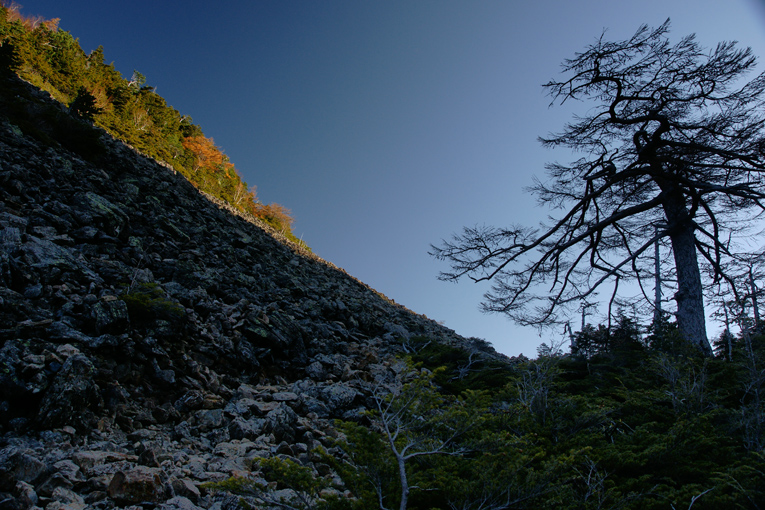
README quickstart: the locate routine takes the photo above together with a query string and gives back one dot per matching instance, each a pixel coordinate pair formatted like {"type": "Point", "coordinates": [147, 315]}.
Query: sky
{"type": "Point", "coordinates": [385, 126]}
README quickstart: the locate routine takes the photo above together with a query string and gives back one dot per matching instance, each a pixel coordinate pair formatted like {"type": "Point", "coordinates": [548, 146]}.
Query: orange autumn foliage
{"type": "Point", "coordinates": [206, 154]}
{"type": "Point", "coordinates": [29, 22]}
{"type": "Point", "coordinates": [274, 214]}
{"type": "Point", "coordinates": [44, 55]}
{"type": "Point", "coordinates": [208, 159]}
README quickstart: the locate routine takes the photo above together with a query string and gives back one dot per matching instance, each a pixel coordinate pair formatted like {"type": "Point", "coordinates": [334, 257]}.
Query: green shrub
{"type": "Point", "coordinates": [147, 303]}
{"type": "Point", "coordinates": [463, 370]}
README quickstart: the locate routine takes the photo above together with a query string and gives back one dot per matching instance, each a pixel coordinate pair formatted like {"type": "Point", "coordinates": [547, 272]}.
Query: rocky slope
{"type": "Point", "coordinates": [151, 339]}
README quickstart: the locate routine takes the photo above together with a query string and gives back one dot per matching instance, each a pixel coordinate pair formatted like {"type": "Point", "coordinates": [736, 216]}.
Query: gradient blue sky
{"type": "Point", "coordinates": [384, 126]}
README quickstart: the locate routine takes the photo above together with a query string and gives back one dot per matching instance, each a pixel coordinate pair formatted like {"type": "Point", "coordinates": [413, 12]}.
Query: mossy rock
{"type": "Point", "coordinates": [147, 304]}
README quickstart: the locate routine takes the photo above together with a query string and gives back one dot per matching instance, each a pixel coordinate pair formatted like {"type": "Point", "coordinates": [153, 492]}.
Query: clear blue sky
{"type": "Point", "coordinates": [384, 126]}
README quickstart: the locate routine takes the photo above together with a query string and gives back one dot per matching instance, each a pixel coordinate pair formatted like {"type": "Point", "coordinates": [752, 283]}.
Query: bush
{"type": "Point", "coordinates": [147, 303]}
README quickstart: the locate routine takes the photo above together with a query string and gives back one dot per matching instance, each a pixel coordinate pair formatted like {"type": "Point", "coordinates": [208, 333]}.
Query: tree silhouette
{"type": "Point", "coordinates": [672, 149]}
{"type": "Point", "coordinates": [84, 105]}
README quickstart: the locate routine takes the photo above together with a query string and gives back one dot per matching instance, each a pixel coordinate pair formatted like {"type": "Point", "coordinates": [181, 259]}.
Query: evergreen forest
{"type": "Point", "coordinates": [633, 422]}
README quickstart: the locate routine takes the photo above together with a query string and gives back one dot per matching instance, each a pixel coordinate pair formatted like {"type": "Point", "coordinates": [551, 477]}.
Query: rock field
{"type": "Point", "coordinates": [152, 339]}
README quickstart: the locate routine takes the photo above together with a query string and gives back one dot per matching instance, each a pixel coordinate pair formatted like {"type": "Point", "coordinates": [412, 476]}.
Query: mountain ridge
{"type": "Point", "coordinates": [44, 55]}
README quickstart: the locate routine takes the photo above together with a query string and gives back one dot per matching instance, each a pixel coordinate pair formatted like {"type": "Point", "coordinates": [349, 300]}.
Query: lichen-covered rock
{"type": "Point", "coordinates": [73, 397]}
{"type": "Point", "coordinates": [105, 214]}
{"type": "Point", "coordinates": [18, 465]}
{"type": "Point", "coordinates": [281, 423]}
{"type": "Point", "coordinates": [338, 397]}
{"type": "Point", "coordinates": [137, 485]}
{"type": "Point", "coordinates": [110, 316]}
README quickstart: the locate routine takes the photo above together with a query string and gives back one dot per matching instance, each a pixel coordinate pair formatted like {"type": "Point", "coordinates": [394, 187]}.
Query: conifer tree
{"type": "Point", "coordinates": [84, 105]}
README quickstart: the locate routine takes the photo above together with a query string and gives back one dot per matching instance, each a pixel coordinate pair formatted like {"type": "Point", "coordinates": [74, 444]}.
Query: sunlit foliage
{"type": "Point", "coordinates": [38, 51]}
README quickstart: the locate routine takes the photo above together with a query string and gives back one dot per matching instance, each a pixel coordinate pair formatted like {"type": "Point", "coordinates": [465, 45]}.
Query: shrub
{"type": "Point", "coordinates": [147, 303]}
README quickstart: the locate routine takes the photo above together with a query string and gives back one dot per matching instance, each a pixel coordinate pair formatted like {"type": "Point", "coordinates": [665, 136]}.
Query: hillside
{"type": "Point", "coordinates": [138, 313]}
{"type": "Point", "coordinates": [129, 109]}
{"type": "Point", "coordinates": [159, 349]}
{"type": "Point", "coordinates": [163, 348]}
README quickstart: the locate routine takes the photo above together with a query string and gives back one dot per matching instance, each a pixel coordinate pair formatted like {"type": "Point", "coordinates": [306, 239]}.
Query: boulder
{"type": "Point", "coordinates": [137, 485]}
{"type": "Point", "coordinates": [17, 465]}
{"type": "Point", "coordinates": [239, 428]}
{"type": "Point", "coordinates": [72, 397]}
{"type": "Point", "coordinates": [281, 423]}
{"type": "Point", "coordinates": [338, 397]}
{"type": "Point", "coordinates": [110, 316]}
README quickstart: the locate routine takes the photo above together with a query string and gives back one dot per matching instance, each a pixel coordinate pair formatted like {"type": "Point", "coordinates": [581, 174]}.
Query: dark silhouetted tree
{"type": "Point", "coordinates": [9, 58]}
{"type": "Point", "coordinates": [673, 148]}
{"type": "Point", "coordinates": [84, 105]}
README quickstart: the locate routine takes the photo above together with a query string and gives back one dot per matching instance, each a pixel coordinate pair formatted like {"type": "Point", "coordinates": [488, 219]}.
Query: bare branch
{"type": "Point", "coordinates": [672, 137]}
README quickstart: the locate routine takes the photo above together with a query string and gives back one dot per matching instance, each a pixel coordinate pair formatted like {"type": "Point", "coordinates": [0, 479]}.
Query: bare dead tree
{"type": "Point", "coordinates": [416, 421]}
{"type": "Point", "coordinates": [673, 138]}
{"type": "Point", "coordinates": [740, 292]}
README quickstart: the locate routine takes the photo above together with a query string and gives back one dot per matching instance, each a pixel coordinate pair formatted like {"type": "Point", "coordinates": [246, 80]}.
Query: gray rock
{"type": "Point", "coordinates": [26, 494]}
{"type": "Point", "coordinates": [397, 331]}
{"type": "Point", "coordinates": [90, 460]}
{"type": "Point", "coordinates": [167, 376]}
{"type": "Point", "coordinates": [142, 435]}
{"type": "Point", "coordinates": [263, 408]}
{"type": "Point", "coordinates": [18, 466]}
{"type": "Point", "coordinates": [110, 316]}
{"type": "Point", "coordinates": [316, 371]}
{"type": "Point", "coordinates": [281, 423]}
{"type": "Point", "coordinates": [137, 485]}
{"type": "Point", "coordinates": [243, 407]}
{"type": "Point", "coordinates": [209, 419]}
{"type": "Point", "coordinates": [72, 397]}
{"type": "Point", "coordinates": [66, 499]}
{"type": "Point", "coordinates": [284, 396]}
{"type": "Point", "coordinates": [179, 503]}
{"type": "Point", "coordinates": [54, 481]}
{"type": "Point", "coordinates": [108, 216]}
{"type": "Point", "coordinates": [69, 470]}
{"type": "Point", "coordinates": [185, 488]}
{"type": "Point", "coordinates": [316, 406]}
{"type": "Point", "coordinates": [193, 399]}
{"type": "Point", "coordinates": [240, 428]}
{"type": "Point", "coordinates": [59, 330]}
{"type": "Point", "coordinates": [43, 254]}
{"type": "Point", "coordinates": [183, 430]}
{"type": "Point", "coordinates": [338, 397]}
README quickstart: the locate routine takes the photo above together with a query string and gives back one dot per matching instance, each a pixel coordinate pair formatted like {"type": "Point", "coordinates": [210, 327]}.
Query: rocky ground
{"type": "Point", "coordinates": [152, 339]}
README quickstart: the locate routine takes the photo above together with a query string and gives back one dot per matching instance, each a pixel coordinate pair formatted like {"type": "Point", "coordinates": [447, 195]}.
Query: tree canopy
{"type": "Point", "coordinates": [671, 152]}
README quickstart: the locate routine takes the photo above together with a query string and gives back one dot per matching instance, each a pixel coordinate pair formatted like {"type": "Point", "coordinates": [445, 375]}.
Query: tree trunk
{"type": "Point", "coordinates": [689, 297]}
{"type": "Point", "coordinates": [403, 479]}
{"type": "Point", "coordinates": [657, 281]}
{"type": "Point", "coordinates": [755, 306]}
